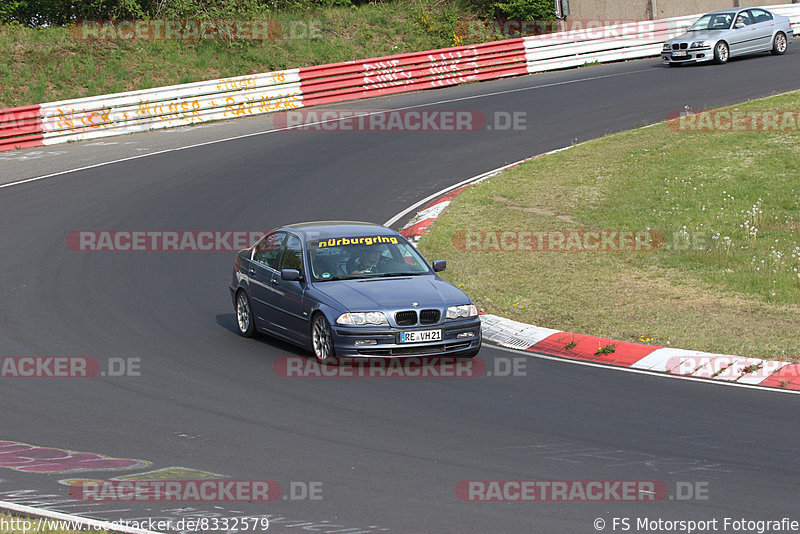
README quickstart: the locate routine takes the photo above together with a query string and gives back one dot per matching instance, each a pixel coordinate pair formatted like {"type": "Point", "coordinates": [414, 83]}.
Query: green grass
{"type": "Point", "coordinates": [717, 285]}
{"type": "Point", "coordinates": [48, 64]}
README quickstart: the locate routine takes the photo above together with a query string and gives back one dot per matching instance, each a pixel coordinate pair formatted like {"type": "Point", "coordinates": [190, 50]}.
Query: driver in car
{"type": "Point", "coordinates": [368, 260]}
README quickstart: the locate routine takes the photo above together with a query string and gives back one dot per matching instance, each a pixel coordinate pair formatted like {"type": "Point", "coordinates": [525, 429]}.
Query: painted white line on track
{"type": "Point", "coordinates": [58, 516]}
{"type": "Point", "coordinates": [244, 136]}
{"type": "Point", "coordinates": [493, 172]}
{"type": "Point", "coordinates": [469, 181]}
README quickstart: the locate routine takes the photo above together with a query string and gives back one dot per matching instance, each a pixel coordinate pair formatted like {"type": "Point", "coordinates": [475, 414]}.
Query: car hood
{"type": "Point", "coordinates": [697, 35]}
{"type": "Point", "coordinates": [389, 294]}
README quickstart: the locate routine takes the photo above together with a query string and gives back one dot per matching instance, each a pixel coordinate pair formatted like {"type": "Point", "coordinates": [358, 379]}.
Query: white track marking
{"type": "Point", "coordinates": [244, 136]}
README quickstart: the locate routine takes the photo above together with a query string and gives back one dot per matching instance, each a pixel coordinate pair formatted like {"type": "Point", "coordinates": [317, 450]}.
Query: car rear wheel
{"type": "Point", "coordinates": [779, 44]}
{"type": "Point", "coordinates": [322, 339]}
{"type": "Point", "coordinates": [244, 315]}
{"type": "Point", "coordinates": [721, 53]}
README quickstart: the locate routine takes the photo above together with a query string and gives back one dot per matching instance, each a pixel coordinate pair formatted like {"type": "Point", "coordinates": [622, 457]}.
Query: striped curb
{"type": "Point", "coordinates": [680, 362]}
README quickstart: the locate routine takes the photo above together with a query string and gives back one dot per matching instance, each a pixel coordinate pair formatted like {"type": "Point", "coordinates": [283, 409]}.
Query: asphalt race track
{"type": "Point", "coordinates": [388, 452]}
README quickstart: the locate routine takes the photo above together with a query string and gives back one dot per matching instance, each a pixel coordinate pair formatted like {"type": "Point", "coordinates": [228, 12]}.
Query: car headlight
{"type": "Point", "coordinates": [667, 46]}
{"type": "Point", "coordinates": [362, 318]}
{"type": "Point", "coordinates": [457, 312]}
{"type": "Point", "coordinates": [699, 44]}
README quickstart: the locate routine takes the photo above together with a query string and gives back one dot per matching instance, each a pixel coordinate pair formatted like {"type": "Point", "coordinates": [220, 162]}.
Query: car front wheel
{"type": "Point", "coordinates": [779, 44]}
{"type": "Point", "coordinates": [244, 315]}
{"type": "Point", "coordinates": [322, 339]}
{"type": "Point", "coordinates": [721, 53]}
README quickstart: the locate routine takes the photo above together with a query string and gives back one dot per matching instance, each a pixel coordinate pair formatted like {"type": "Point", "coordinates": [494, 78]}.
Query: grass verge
{"type": "Point", "coordinates": [726, 277]}
{"type": "Point", "coordinates": [49, 64]}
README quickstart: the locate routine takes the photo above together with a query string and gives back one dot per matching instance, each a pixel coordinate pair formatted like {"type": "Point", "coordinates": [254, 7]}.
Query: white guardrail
{"type": "Point", "coordinates": [192, 103]}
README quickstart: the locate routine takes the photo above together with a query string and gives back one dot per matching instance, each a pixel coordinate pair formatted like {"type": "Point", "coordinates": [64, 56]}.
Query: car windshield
{"type": "Point", "coordinates": [716, 21]}
{"type": "Point", "coordinates": [375, 256]}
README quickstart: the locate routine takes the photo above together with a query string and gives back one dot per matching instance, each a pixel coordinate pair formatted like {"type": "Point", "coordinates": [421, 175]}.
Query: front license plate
{"type": "Point", "coordinates": [420, 336]}
{"type": "Point", "coordinates": [680, 54]}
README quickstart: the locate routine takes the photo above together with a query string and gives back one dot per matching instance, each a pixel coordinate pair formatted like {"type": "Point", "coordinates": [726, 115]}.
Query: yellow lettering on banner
{"type": "Point", "coordinates": [64, 122]}
{"type": "Point", "coordinates": [91, 120]}
{"type": "Point", "coordinates": [143, 109]}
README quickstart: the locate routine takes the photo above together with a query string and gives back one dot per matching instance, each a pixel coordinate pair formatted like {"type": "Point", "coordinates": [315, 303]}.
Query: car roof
{"type": "Point", "coordinates": [322, 229]}
{"type": "Point", "coordinates": [733, 9]}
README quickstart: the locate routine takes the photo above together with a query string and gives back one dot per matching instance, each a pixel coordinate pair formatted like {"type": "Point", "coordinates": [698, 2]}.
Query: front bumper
{"type": "Point", "coordinates": [460, 338]}
{"type": "Point", "coordinates": [693, 55]}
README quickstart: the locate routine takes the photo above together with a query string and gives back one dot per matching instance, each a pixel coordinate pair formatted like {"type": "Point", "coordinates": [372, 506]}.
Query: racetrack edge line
{"type": "Point", "coordinates": [60, 516]}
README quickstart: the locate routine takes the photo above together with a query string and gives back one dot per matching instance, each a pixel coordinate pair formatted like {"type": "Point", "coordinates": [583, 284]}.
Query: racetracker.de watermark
{"type": "Point", "coordinates": [578, 491]}
{"type": "Point", "coordinates": [342, 120]}
{"type": "Point", "coordinates": [558, 240]}
{"type": "Point", "coordinates": [733, 120]}
{"type": "Point", "coordinates": [195, 30]}
{"type": "Point", "coordinates": [561, 30]}
{"type": "Point", "coordinates": [406, 367]}
{"type": "Point", "coordinates": [67, 367]}
{"type": "Point", "coordinates": [162, 240]}
{"type": "Point", "coordinates": [176, 490]}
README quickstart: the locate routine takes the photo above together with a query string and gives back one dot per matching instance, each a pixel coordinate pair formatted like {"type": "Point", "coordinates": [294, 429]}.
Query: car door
{"type": "Point", "coordinates": [265, 258]}
{"type": "Point", "coordinates": [763, 28]}
{"type": "Point", "coordinates": [742, 36]}
{"type": "Point", "coordinates": [292, 311]}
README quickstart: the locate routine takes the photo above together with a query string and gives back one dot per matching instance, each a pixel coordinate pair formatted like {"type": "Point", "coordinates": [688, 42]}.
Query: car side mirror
{"type": "Point", "coordinates": [290, 275]}
{"type": "Point", "coordinates": [439, 266]}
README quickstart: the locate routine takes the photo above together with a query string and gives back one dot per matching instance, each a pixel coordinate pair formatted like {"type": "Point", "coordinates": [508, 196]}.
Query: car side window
{"type": "Point", "coordinates": [293, 254]}
{"type": "Point", "coordinates": [743, 19]}
{"type": "Point", "coordinates": [760, 15]}
{"type": "Point", "coordinates": [267, 251]}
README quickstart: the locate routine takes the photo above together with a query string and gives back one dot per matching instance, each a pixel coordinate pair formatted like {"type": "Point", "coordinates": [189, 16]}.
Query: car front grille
{"type": "Point", "coordinates": [412, 350]}
{"type": "Point", "coordinates": [681, 46]}
{"type": "Point", "coordinates": [429, 316]}
{"type": "Point", "coordinates": [406, 318]}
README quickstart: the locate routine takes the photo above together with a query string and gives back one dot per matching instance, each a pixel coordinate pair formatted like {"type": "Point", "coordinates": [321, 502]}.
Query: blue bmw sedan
{"type": "Point", "coordinates": [351, 289]}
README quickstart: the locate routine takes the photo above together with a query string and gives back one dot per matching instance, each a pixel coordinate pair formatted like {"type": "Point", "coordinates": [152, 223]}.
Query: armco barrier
{"type": "Point", "coordinates": [412, 72]}
{"type": "Point", "coordinates": [21, 127]}
{"type": "Point", "coordinates": [186, 104]}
